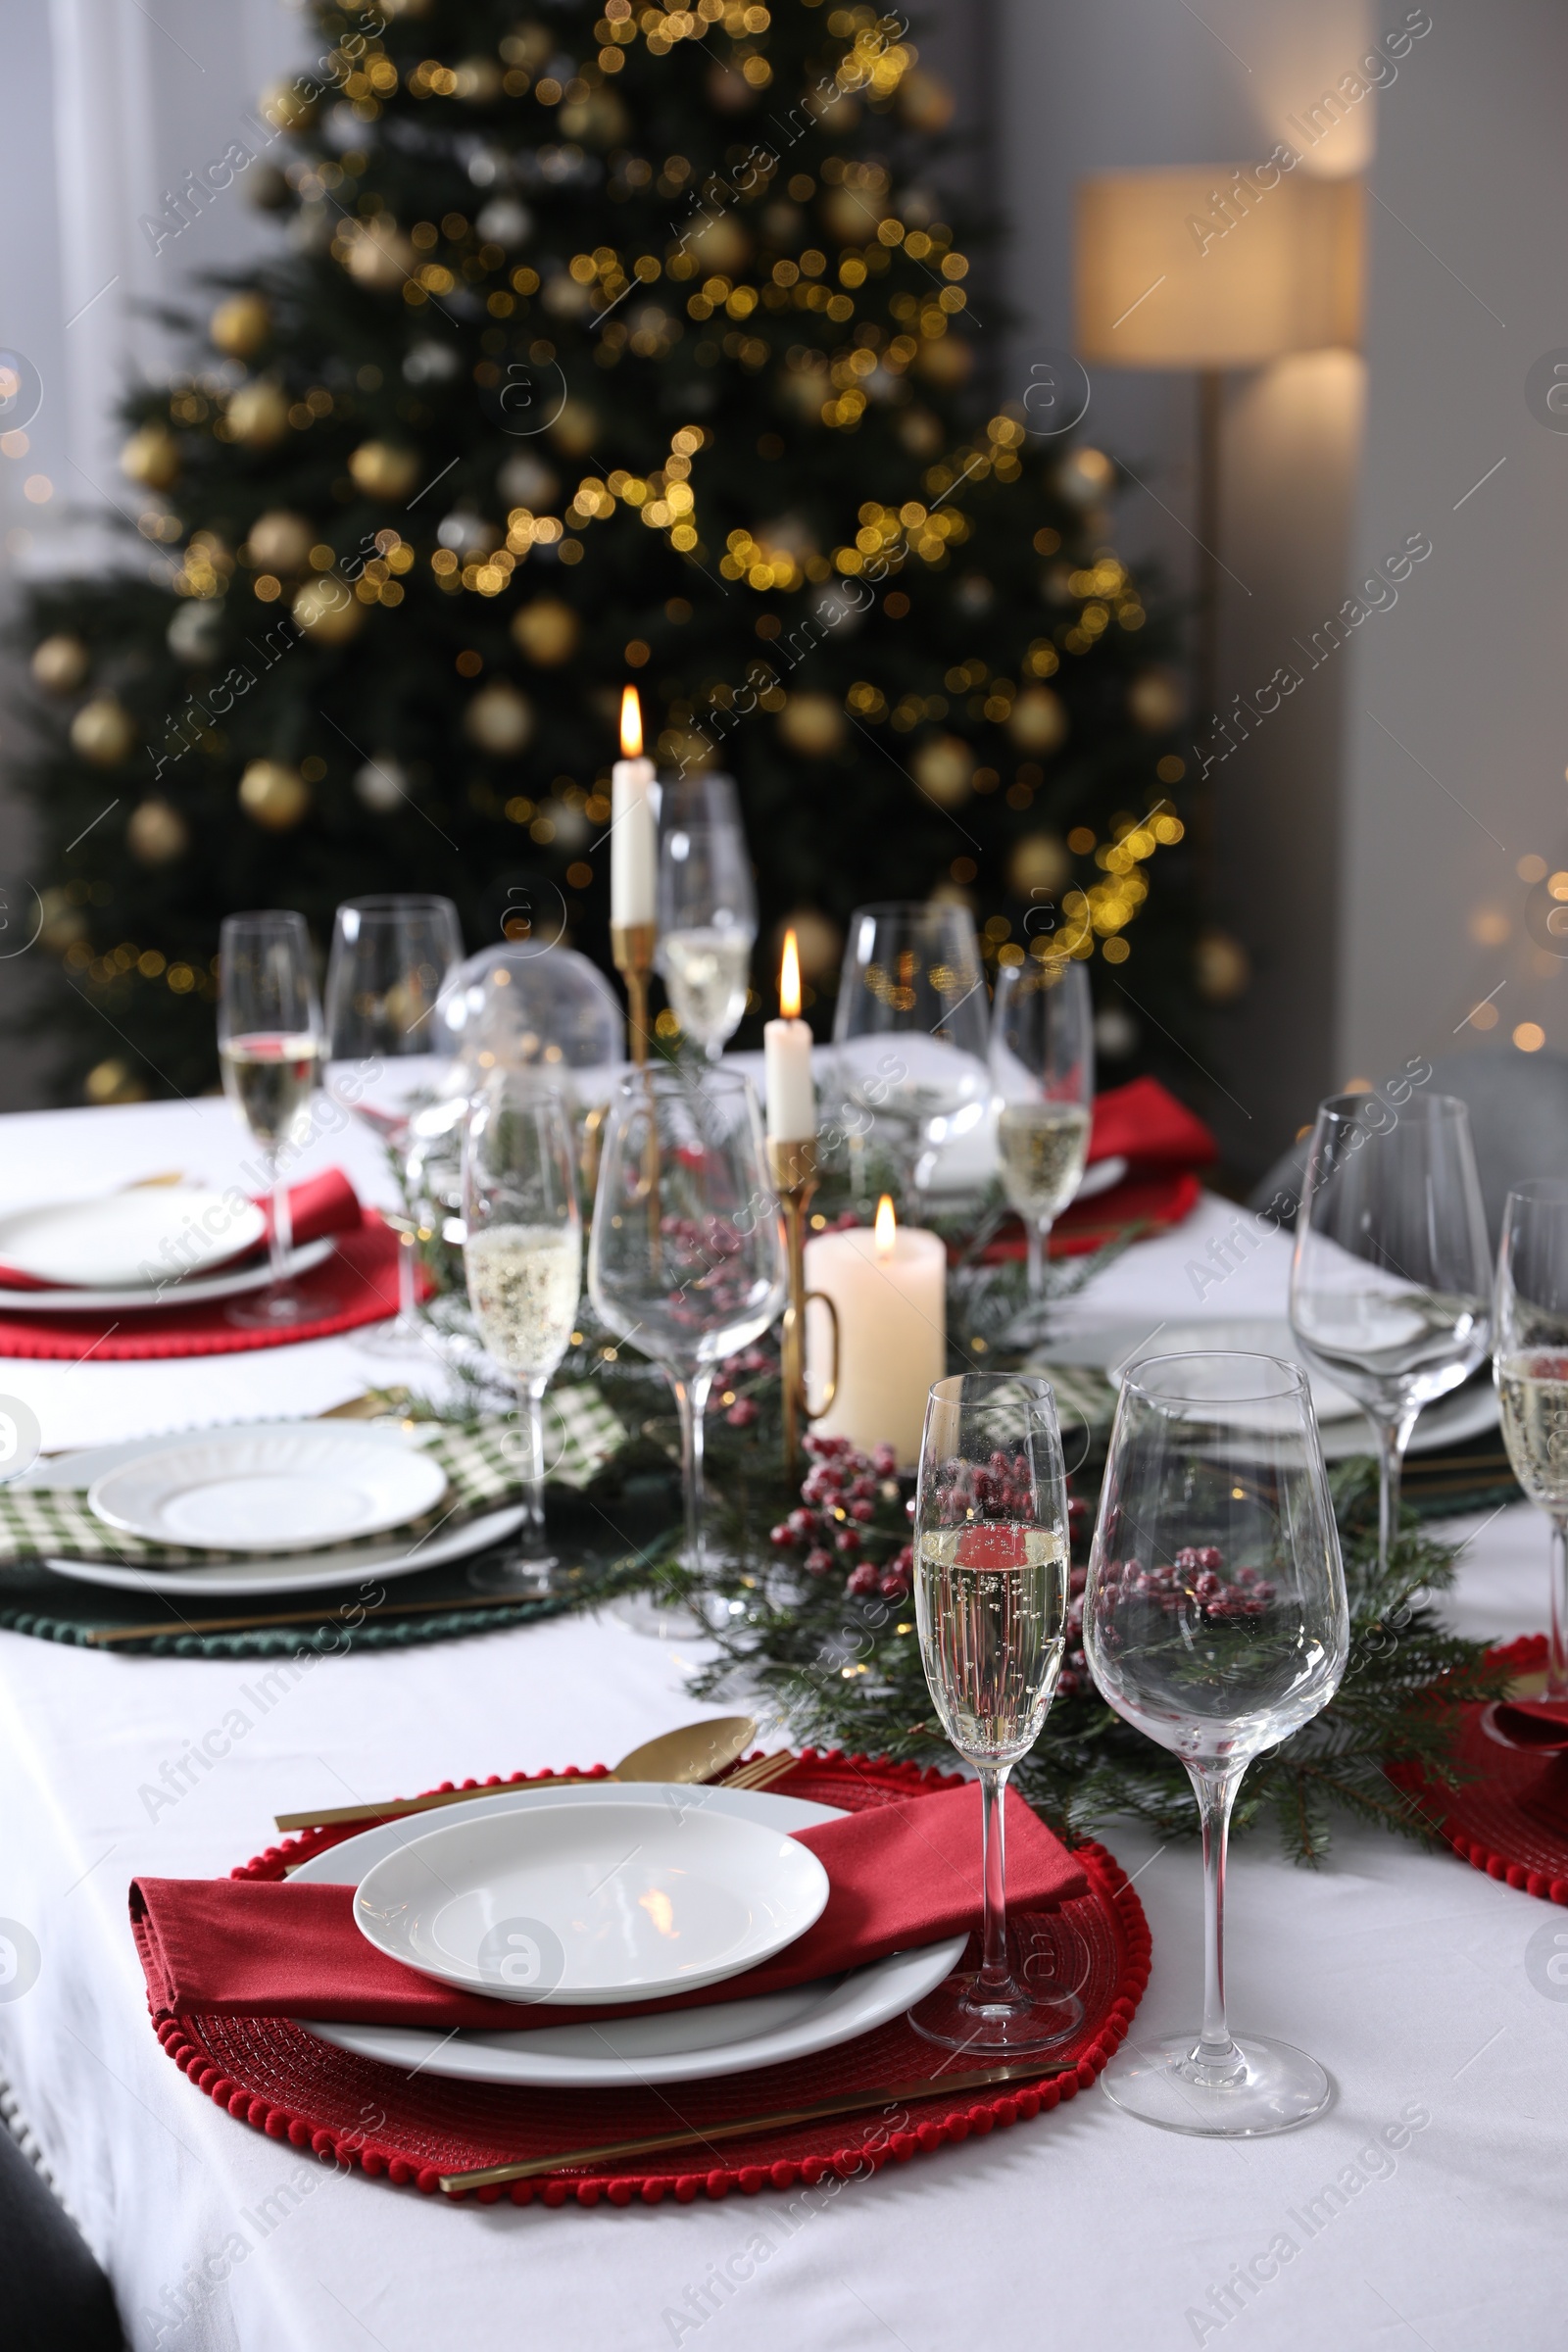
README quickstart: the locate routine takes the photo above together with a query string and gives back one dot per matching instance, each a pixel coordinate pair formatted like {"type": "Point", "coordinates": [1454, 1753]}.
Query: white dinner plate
{"type": "Point", "coordinates": [683, 2045]}
{"type": "Point", "coordinates": [276, 1489]}
{"type": "Point", "coordinates": [187, 1291]}
{"type": "Point", "coordinates": [130, 1240]}
{"type": "Point", "coordinates": [633, 1901]}
{"type": "Point", "coordinates": [1341, 1425]}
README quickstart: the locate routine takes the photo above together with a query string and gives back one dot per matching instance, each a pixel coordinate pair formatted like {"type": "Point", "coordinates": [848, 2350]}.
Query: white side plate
{"type": "Point", "coordinates": [276, 1489]}
{"type": "Point", "coordinates": [188, 1290]}
{"type": "Point", "coordinates": [131, 1239]}
{"type": "Point", "coordinates": [632, 1900]}
{"type": "Point", "coordinates": [686, 2046]}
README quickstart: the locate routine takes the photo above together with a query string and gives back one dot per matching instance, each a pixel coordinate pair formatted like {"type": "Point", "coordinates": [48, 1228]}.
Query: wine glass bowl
{"type": "Point", "coordinates": [707, 909]}
{"type": "Point", "coordinates": [1392, 1273]}
{"type": "Point", "coordinates": [685, 1259]}
{"type": "Point", "coordinates": [911, 1028]}
{"type": "Point", "coordinates": [1530, 1367]}
{"type": "Point", "coordinates": [269, 1049]}
{"type": "Point", "coordinates": [992, 1576]}
{"type": "Point", "coordinates": [1042, 1069]}
{"type": "Point", "coordinates": [1215, 1622]}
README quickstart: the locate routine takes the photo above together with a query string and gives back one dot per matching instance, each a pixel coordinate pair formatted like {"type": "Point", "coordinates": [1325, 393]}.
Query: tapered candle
{"type": "Point", "coordinates": [786, 1047]}
{"type": "Point", "coordinates": [889, 1286]}
{"type": "Point", "coordinates": [634, 835]}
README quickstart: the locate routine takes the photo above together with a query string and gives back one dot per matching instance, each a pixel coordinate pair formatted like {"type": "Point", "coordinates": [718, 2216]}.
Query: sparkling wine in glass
{"type": "Point", "coordinates": [1530, 1366]}
{"type": "Point", "coordinates": [1042, 1068]}
{"type": "Point", "coordinates": [707, 908]}
{"type": "Point", "coordinates": [390, 957]}
{"type": "Point", "coordinates": [686, 1261]}
{"type": "Point", "coordinates": [522, 1259]}
{"type": "Point", "coordinates": [910, 1029]}
{"type": "Point", "coordinates": [1216, 1623]}
{"type": "Point", "coordinates": [991, 1596]}
{"type": "Point", "coordinates": [1392, 1276]}
{"type": "Point", "coordinates": [269, 1049]}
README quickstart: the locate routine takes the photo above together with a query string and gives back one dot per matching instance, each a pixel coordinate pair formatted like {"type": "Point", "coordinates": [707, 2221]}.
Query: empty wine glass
{"type": "Point", "coordinates": [1391, 1276]}
{"type": "Point", "coordinates": [1042, 1069]}
{"type": "Point", "coordinates": [522, 1259]}
{"type": "Point", "coordinates": [991, 1591]}
{"type": "Point", "coordinates": [270, 1046]}
{"type": "Point", "coordinates": [685, 1259]}
{"type": "Point", "coordinates": [389, 958]}
{"type": "Point", "coordinates": [1530, 1366]}
{"type": "Point", "coordinates": [911, 1028]}
{"type": "Point", "coordinates": [1215, 1622]}
{"type": "Point", "coordinates": [707, 908]}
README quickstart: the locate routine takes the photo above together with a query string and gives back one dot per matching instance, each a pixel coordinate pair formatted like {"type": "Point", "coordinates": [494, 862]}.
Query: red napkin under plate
{"type": "Point", "coordinates": [901, 1876]}
{"type": "Point", "coordinates": [322, 1204]}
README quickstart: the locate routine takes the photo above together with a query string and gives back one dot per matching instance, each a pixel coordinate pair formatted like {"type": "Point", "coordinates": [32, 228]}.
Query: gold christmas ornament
{"type": "Point", "coordinates": [1156, 701]}
{"type": "Point", "coordinates": [851, 216]}
{"type": "Point", "coordinates": [943, 768]}
{"type": "Point", "coordinates": [926, 103]}
{"type": "Point", "coordinates": [112, 1082]}
{"type": "Point", "coordinates": [380, 256]}
{"type": "Point", "coordinates": [280, 541]}
{"type": "Point", "coordinates": [812, 724]}
{"type": "Point", "coordinates": [257, 414]}
{"type": "Point", "coordinates": [327, 610]}
{"type": "Point", "coordinates": [157, 833]}
{"type": "Point", "coordinates": [240, 326]}
{"type": "Point", "coordinates": [919, 432]}
{"type": "Point", "coordinates": [60, 663]}
{"type": "Point", "coordinates": [102, 731]}
{"type": "Point", "coordinates": [1039, 862]}
{"type": "Point", "coordinates": [283, 104]}
{"type": "Point", "coordinates": [575, 429]}
{"type": "Point", "coordinates": [948, 361]}
{"type": "Point", "coordinates": [1039, 721]}
{"type": "Point", "coordinates": [385, 468]}
{"type": "Point", "coordinates": [1221, 968]}
{"type": "Point", "coordinates": [547, 631]}
{"type": "Point", "coordinates": [499, 719]}
{"type": "Point", "coordinates": [151, 456]}
{"type": "Point", "coordinates": [273, 795]}
{"type": "Point", "coordinates": [729, 90]}
{"type": "Point", "coordinates": [818, 942]}
{"type": "Point", "coordinates": [722, 244]}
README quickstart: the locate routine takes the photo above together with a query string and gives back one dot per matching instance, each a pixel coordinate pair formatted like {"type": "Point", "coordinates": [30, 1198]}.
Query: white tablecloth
{"type": "Point", "coordinates": [1422, 1986]}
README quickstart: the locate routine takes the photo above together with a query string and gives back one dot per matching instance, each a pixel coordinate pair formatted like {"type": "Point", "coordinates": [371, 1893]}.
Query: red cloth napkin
{"type": "Point", "coordinates": [901, 1876]}
{"type": "Point", "coordinates": [1146, 1125]}
{"type": "Point", "coordinates": [1537, 1722]}
{"type": "Point", "coordinates": [321, 1205]}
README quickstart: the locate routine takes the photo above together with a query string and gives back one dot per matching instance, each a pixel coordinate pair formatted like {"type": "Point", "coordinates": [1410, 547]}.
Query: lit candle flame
{"type": "Point", "coordinates": [886, 1228]}
{"type": "Point", "coordinates": [789, 979]}
{"type": "Point", "coordinates": [631, 724]}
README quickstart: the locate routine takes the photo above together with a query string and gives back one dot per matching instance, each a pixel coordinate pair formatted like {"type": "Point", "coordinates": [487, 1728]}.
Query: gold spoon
{"type": "Point", "coordinates": [698, 1751]}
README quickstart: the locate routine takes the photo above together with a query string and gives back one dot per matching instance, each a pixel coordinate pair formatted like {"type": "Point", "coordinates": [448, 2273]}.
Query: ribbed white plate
{"type": "Point", "coordinates": [188, 1290]}
{"type": "Point", "coordinates": [687, 2045]}
{"type": "Point", "coordinates": [275, 1490]}
{"type": "Point", "coordinates": [129, 1239]}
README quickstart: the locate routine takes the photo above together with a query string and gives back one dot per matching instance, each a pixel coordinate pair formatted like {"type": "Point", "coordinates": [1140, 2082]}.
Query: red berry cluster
{"type": "Point", "coordinates": [736, 1368]}
{"type": "Point", "coordinates": [1195, 1577]}
{"type": "Point", "coordinates": [847, 1499]}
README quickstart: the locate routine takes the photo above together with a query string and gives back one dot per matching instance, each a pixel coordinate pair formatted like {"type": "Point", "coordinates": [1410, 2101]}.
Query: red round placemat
{"type": "Point", "coordinates": [1502, 1819]}
{"type": "Point", "coordinates": [274, 2074]}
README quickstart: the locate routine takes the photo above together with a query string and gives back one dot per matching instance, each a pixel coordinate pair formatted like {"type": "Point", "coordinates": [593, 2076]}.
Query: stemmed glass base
{"type": "Point", "coordinates": [279, 1307]}
{"type": "Point", "coordinates": [1265, 2086]}
{"type": "Point", "coordinates": [1035, 2007]}
{"type": "Point", "coordinates": [520, 1575]}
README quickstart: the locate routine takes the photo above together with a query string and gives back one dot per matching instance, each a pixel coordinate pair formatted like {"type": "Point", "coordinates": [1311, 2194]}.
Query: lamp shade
{"type": "Point", "coordinates": [1213, 268]}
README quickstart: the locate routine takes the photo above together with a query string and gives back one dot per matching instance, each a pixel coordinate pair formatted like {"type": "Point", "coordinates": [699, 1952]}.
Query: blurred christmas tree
{"type": "Point", "coordinates": [634, 344]}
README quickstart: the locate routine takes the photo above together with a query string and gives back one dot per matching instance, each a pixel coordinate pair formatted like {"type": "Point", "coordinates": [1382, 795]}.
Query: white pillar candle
{"type": "Point", "coordinates": [786, 1047]}
{"type": "Point", "coordinates": [889, 1286]}
{"type": "Point", "coordinates": [634, 834]}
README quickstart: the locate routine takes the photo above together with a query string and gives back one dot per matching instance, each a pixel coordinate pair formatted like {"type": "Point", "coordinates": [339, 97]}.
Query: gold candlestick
{"type": "Point", "coordinates": [632, 945]}
{"type": "Point", "coordinates": [793, 1168]}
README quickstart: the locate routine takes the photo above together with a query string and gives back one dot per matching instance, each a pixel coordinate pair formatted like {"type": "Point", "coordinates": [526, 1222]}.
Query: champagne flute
{"type": "Point", "coordinates": [991, 1593]}
{"type": "Point", "coordinates": [707, 909]}
{"type": "Point", "coordinates": [1531, 1369]}
{"type": "Point", "coordinates": [1042, 1069]}
{"type": "Point", "coordinates": [270, 1046]}
{"type": "Point", "coordinates": [911, 1028]}
{"type": "Point", "coordinates": [390, 956]}
{"type": "Point", "coordinates": [685, 1258]}
{"type": "Point", "coordinates": [522, 1258]}
{"type": "Point", "coordinates": [1215, 1622]}
{"type": "Point", "coordinates": [1392, 1276]}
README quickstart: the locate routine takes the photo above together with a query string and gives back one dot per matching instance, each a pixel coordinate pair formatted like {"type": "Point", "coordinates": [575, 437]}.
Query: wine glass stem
{"type": "Point", "coordinates": [280, 1239]}
{"type": "Point", "coordinates": [1393, 1438]}
{"type": "Point", "coordinates": [1215, 1792]}
{"type": "Point", "coordinates": [532, 1405]}
{"type": "Point", "coordinates": [995, 1976]}
{"type": "Point", "coordinates": [691, 1401]}
{"type": "Point", "coordinates": [1039, 1229]}
{"type": "Point", "coordinates": [406, 1299]}
{"type": "Point", "coordinates": [1557, 1656]}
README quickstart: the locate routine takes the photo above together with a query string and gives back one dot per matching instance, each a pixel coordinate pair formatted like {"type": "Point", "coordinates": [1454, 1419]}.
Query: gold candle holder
{"type": "Point", "coordinates": [632, 945]}
{"type": "Point", "coordinates": [793, 1169]}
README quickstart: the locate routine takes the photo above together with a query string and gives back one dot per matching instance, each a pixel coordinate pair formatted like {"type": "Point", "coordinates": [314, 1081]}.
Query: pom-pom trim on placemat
{"type": "Point", "coordinates": [1489, 1820]}
{"type": "Point", "coordinates": [268, 2072]}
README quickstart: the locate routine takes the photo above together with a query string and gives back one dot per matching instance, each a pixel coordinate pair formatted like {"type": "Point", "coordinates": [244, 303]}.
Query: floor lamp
{"type": "Point", "coordinates": [1214, 269]}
